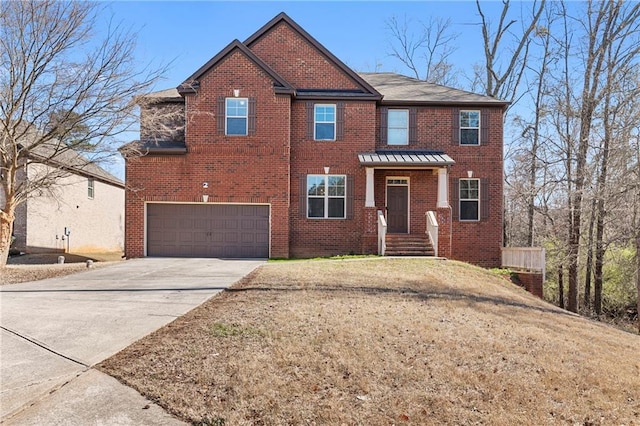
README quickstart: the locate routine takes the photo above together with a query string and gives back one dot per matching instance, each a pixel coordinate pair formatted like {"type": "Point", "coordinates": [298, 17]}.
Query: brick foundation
{"type": "Point", "coordinates": [531, 281]}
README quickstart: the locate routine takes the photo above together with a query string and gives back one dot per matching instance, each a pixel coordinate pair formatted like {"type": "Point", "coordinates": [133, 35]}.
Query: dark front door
{"type": "Point", "coordinates": [397, 209]}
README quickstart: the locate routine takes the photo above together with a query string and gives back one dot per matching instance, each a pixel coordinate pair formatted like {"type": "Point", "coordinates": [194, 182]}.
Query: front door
{"type": "Point", "coordinates": [398, 206]}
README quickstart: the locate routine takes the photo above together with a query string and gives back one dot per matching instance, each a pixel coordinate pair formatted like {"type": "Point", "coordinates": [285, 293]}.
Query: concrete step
{"type": "Point", "coordinates": [408, 245]}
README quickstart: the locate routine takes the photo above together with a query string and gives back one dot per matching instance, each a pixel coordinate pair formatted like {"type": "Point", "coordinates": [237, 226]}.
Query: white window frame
{"type": "Point", "coordinates": [406, 141]}
{"type": "Point", "coordinates": [316, 122]}
{"type": "Point", "coordinates": [460, 199]}
{"type": "Point", "coordinates": [227, 116]}
{"type": "Point", "coordinates": [326, 196]}
{"type": "Point", "coordinates": [91, 188]}
{"type": "Point", "coordinates": [470, 127]}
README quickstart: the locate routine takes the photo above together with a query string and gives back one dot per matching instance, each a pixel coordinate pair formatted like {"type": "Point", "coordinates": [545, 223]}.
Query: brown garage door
{"type": "Point", "coordinates": [207, 230]}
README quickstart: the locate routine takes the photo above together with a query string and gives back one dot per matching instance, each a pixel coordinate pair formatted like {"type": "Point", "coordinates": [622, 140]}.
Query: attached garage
{"type": "Point", "coordinates": [208, 230]}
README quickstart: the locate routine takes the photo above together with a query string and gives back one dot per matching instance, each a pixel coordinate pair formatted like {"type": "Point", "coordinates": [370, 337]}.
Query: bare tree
{"type": "Point", "coordinates": [61, 88]}
{"type": "Point", "coordinates": [426, 53]}
{"type": "Point", "coordinates": [607, 25]}
{"type": "Point", "coordinates": [532, 133]}
{"type": "Point", "coordinates": [635, 213]}
{"type": "Point", "coordinates": [503, 77]}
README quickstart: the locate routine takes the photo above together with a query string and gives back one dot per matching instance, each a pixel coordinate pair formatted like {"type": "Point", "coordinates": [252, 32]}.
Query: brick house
{"type": "Point", "coordinates": [276, 148]}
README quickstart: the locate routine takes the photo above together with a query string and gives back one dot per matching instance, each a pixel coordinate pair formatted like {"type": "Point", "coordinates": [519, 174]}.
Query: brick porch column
{"type": "Point", "coordinates": [444, 231]}
{"type": "Point", "coordinates": [370, 231]}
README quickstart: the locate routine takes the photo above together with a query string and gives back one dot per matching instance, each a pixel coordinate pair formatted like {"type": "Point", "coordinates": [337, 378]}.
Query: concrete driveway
{"type": "Point", "coordinates": [53, 331]}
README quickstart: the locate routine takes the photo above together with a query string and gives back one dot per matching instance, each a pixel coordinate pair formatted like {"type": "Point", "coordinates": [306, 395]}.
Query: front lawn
{"type": "Point", "coordinates": [384, 341]}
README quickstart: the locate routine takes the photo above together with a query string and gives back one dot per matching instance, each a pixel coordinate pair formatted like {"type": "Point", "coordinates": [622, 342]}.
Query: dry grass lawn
{"type": "Point", "coordinates": [35, 267]}
{"type": "Point", "coordinates": [381, 342]}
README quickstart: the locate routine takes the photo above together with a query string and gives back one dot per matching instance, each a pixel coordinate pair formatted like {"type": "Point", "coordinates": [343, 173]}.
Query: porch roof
{"type": "Point", "coordinates": [406, 158]}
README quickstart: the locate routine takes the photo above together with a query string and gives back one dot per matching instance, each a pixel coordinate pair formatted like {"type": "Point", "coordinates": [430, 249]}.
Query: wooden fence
{"type": "Point", "coordinates": [527, 258]}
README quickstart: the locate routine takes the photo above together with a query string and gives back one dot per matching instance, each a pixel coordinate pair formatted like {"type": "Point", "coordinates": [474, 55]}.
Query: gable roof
{"type": "Point", "coordinates": [71, 161]}
{"type": "Point", "coordinates": [396, 88]}
{"type": "Point", "coordinates": [283, 17]}
{"type": "Point", "coordinates": [191, 83]}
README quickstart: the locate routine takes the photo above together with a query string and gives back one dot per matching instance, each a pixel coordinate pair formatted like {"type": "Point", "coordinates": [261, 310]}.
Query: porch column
{"type": "Point", "coordinates": [369, 200]}
{"type": "Point", "coordinates": [443, 188]}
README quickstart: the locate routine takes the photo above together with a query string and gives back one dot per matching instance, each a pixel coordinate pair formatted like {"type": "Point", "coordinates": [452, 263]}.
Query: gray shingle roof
{"type": "Point", "coordinates": [395, 88]}
{"type": "Point", "coordinates": [56, 154]}
{"type": "Point", "coordinates": [399, 88]}
{"type": "Point", "coordinates": [165, 95]}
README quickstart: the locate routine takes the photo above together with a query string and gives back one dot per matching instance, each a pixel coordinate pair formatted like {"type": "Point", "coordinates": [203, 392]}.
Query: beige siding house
{"type": "Point", "coordinates": [83, 212]}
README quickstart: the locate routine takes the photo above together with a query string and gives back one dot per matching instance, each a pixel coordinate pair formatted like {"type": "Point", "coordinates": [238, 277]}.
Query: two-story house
{"type": "Point", "coordinates": [277, 149]}
{"type": "Point", "coordinates": [77, 206]}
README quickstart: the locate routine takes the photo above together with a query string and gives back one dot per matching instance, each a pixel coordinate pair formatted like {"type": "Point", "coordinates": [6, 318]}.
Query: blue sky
{"type": "Point", "coordinates": [188, 33]}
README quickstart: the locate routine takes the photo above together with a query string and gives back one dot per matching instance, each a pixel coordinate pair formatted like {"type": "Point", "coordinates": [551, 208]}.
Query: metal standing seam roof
{"type": "Point", "coordinates": [405, 158]}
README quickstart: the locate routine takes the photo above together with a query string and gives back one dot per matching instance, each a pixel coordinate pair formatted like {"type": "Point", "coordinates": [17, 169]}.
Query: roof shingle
{"type": "Point", "coordinates": [399, 88]}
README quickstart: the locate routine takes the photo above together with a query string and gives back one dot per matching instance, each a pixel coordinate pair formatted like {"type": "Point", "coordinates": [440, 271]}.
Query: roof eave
{"type": "Point", "coordinates": [501, 104]}
{"type": "Point", "coordinates": [284, 91]}
{"type": "Point", "coordinates": [77, 171]}
{"type": "Point", "coordinates": [165, 151]}
{"type": "Point", "coordinates": [408, 165]}
{"type": "Point", "coordinates": [318, 97]}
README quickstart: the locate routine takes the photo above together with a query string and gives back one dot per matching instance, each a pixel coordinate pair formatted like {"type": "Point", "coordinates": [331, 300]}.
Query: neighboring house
{"type": "Point", "coordinates": [278, 149]}
{"type": "Point", "coordinates": [82, 212]}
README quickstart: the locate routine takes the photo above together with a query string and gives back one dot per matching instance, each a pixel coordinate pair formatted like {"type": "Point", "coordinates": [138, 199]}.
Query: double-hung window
{"type": "Point", "coordinates": [469, 127]}
{"type": "Point", "coordinates": [90, 188]}
{"type": "Point", "coordinates": [398, 127]}
{"type": "Point", "coordinates": [326, 196]}
{"type": "Point", "coordinates": [470, 199]}
{"type": "Point", "coordinates": [324, 122]}
{"type": "Point", "coordinates": [236, 116]}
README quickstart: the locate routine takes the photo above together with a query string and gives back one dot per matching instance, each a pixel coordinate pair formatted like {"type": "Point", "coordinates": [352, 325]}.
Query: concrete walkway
{"type": "Point", "coordinates": [53, 331]}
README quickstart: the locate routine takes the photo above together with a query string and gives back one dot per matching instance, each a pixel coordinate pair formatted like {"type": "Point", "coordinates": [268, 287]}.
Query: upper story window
{"type": "Point", "coordinates": [90, 188]}
{"type": "Point", "coordinates": [326, 196]}
{"type": "Point", "coordinates": [469, 127]}
{"type": "Point", "coordinates": [324, 122]}
{"type": "Point", "coordinates": [398, 127]}
{"type": "Point", "coordinates": [470, 199]}
{"type": "Point", "coordinates": [237, 113]}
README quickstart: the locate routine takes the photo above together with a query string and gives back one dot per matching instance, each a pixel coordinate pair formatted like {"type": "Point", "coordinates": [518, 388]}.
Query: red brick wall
{"type": "Point", "coordinates": [481, 242]}
{"type": "Point", "coordinates": [298, 61]}
{"type": "Point", "coordinates": [238, 169]}
{"type": "Point", "coordinates": [531, 281]}
{"type": "Point", "coordinates": [267, 167]}
{"type": "Point", "coordinates": [475, 242]}
{"type": "Point", "coordinates": [315, 237]}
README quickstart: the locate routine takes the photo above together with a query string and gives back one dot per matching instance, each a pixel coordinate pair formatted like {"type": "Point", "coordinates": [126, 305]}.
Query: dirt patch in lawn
{"type": "Point", "coordinates": [388, 341]}
{"type": "Point", "coordinates": [39, 266]}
